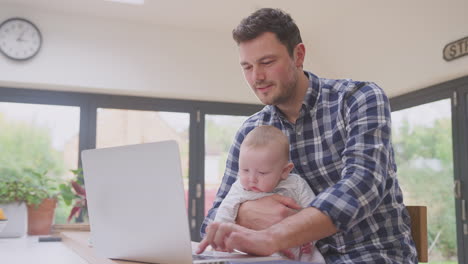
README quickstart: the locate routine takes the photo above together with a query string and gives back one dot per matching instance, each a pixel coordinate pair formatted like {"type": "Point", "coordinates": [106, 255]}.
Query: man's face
{"type": "Point", "coordinates": [269, 69]}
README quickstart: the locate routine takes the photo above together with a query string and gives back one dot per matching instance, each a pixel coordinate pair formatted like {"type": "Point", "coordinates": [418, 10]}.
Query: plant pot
{"type": "Point", "coordinates": [17, 219]}
{"type": "Point", "coordinates": [41, 217]}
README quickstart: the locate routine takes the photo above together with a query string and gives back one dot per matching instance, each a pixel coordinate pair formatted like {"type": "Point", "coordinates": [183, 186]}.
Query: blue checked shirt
{"type": "Point", "coordinates": [341, 145]}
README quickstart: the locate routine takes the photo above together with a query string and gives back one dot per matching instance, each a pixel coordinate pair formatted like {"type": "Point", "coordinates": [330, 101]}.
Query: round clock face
{"type": "Point", "coordinates": [19, 39]}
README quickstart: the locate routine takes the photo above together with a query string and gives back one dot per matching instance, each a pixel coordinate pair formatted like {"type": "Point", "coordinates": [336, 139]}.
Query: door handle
{"type": "Point", "coordinates": [457, 189]}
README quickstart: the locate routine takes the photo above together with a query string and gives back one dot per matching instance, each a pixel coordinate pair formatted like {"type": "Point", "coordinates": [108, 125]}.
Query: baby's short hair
{"type": "Point", "coordinates": [265, 135]}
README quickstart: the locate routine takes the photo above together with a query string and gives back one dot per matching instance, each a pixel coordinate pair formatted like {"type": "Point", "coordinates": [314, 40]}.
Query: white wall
{"type": "Point", "coordinates": [107, 56]}
{"type": "Point", "coordinates": [395, 44]}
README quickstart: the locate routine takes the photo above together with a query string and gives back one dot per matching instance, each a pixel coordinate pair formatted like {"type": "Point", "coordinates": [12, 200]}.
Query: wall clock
{"type": "Point", "coordinates": [20, 39]}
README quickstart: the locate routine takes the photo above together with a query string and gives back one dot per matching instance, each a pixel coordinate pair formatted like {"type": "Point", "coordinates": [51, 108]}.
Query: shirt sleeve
{"type": "Point", "coordinates": [365, 159]}
{"type": "Point", "coordinates": [230, 176]}
{"type": "Point", "coordinates": [227, 210]}
{"type": "Point", "coordinates": [305, 195]}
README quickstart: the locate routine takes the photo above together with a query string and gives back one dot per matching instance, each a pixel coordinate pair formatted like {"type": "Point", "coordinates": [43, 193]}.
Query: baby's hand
{"type": "Point", "coordinates": [287, 253]}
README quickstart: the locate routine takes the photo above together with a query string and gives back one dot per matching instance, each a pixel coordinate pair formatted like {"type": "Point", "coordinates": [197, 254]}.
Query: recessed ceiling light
{"type": "Point", "coordinates": [131, 2]}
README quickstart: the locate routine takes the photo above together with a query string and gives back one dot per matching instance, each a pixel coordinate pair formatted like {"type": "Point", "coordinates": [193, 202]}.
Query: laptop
{"type": "Point", "coordinates": [136, 206]}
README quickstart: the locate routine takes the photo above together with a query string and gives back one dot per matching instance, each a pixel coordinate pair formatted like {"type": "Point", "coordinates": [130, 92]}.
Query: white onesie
{"type": "Point", "coordinates": [294, 187]}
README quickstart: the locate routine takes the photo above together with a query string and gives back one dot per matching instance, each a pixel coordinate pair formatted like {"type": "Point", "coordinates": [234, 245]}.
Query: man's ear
{"type": "Point", "coordinates": [286, 170]}
{"type": "Point", "coordinates": [299, 55]}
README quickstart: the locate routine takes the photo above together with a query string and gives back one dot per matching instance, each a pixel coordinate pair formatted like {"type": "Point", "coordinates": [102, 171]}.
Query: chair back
{"type": "Point", "coordinates": [418, 216]}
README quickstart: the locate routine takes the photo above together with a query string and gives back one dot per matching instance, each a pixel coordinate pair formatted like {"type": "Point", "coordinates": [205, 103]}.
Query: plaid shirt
{"type": "Point", "coordinates": [341, 145]}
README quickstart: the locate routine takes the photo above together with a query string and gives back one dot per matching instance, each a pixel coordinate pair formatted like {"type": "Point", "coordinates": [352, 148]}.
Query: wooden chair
{"type": "Point", "coordinates": [418, 216]}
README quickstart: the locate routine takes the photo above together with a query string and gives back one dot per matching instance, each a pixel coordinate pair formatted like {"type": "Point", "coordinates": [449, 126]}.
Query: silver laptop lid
{"type": "Point", "coordinates": [136, 203]}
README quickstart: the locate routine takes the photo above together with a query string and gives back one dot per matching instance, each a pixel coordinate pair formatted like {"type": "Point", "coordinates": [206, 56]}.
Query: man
{"type": "Point", "coordinates": [340, 136]}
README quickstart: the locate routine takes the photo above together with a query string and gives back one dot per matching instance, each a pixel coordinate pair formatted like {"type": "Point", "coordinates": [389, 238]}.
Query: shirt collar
{"type": "Point", "coordinates": [313, 91]}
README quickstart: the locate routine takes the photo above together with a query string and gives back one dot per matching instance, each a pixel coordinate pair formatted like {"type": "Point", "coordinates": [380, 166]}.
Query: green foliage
{"type": "Point", "coordinates": [28, 164]}
{"type": "Point", "coordinates": [26, 146]}
{"type": "Point", "coordinates": [220, 137]}
{"type": "Point", "coordinates": [425, 172]}
{"type": "Point", "coordinates": [433, 142]}
{"type": "Point", "coordinates": [74, 193]}
{"type": "Point", "coordinates": [67, 193]}
{"type": "Point", "coordinates": [31, 187]}
{"type": "Point", "coordinates": [61, 212]}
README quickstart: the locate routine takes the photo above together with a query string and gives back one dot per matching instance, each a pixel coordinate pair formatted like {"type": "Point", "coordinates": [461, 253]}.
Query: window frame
{"type": "Point", "coordinates": [457, 91]}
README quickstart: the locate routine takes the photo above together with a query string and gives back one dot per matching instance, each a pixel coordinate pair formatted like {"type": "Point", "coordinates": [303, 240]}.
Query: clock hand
{"type": "Point", "coordinates": [20, 38]}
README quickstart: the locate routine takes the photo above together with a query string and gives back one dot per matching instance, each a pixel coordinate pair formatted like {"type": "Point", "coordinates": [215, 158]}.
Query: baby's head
{"type": "Point", "coordinates": [264, 159]}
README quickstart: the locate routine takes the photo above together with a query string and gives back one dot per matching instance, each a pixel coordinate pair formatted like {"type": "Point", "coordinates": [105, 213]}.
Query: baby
{"type": "Point", "coordinates": [264, 169]}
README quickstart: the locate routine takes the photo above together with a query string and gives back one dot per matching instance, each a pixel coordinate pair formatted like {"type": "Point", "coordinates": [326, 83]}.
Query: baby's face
{"type": "Point", "coordinates": [261, 168]}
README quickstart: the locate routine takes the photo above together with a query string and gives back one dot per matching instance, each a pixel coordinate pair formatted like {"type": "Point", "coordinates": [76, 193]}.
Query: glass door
{"type": "Point", "coordinates": [422, 138]}
{"type": "Point", "coordinates": [219, 136]}
{"type": "Point", "coordinates": [461, 188]}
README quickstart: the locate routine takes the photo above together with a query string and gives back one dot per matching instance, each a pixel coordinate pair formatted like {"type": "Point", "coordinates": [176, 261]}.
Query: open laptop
{"type": "Point", "coordinates": [136, 205]}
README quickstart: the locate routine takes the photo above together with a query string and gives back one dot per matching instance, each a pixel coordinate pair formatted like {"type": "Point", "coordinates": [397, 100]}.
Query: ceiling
{"type": "Point", "coordinates": [397, 43]}
{"type": "Point", "coordinates": [223, 15]}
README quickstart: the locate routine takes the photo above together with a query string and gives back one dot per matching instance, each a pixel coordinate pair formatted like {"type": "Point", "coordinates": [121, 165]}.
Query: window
{"type": "Point", "coordinates": [117, 127]}
{"type": "Point", "coordinates": [422, 137]}
{"type": "Point", "coordinates": [219, 135]}
{"type": "Point", "coordinates": [41, 138]}
{"type": "Point", "coordinates": [110, 120]}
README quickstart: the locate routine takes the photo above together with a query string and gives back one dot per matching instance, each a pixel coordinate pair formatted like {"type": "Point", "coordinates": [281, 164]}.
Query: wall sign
{"type": "Point", "coordinates": [456, 49]}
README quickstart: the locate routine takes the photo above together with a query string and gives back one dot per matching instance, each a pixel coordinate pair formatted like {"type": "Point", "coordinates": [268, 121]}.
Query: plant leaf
{"type": "Point", "coordinates": [75, 210]}
{"type": "Point", "coordinates": [78, 188]}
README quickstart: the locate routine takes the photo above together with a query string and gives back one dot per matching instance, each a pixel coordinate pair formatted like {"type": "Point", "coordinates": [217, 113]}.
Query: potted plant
{"type": "Point", "coordinates": [12, 201]}
{"type": "Point", "coordinates": [38, 191]}
{"type": "Point", "coordinates": [41, 200]}
{"type": "Point", "coordinates": [75, 193]}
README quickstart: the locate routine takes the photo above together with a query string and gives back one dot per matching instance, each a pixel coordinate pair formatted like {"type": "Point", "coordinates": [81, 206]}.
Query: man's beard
{"type": "Point", "coordinates": [285, 91]}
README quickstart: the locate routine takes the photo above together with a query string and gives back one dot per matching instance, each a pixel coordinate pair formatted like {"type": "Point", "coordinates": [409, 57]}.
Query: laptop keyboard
{"type": "Point", "coordinates": [204, 257]}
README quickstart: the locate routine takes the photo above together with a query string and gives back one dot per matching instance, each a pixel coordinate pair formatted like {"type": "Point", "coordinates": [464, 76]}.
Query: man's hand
{"type": "Point", "coordinates": [227, 237]}
{"type": "Point", "coordinates": [265, 212]}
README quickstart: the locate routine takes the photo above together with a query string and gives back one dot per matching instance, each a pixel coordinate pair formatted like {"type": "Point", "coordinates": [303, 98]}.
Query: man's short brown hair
{"type": "Point", "coordinates": [269, 20]}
